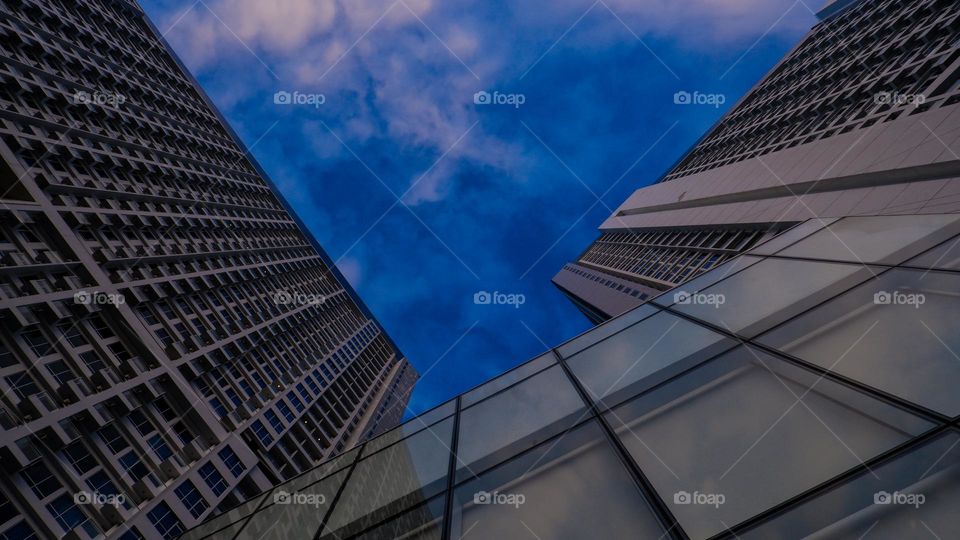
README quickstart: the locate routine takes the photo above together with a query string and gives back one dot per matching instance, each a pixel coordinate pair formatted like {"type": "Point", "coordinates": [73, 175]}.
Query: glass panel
{"type": "Point", "coordinates": [318, 472]}
{"type": "Point", "coordinates": [879, 239]}
{"type": "Point", "coordinates": [946, 255]}
{"type": "Point", "coordinates": [516, 419]}
{"type": "Point", "coordinates": [897, 333]}
{"type": "Point", "coordinates": [422, 523]}
{"type": "Point", "coordinates": [771, 292]}
{"type": "Point", "coordinates": [519, 373]}
{"type": "Point", "coordinates": [707, 279]}
{"type": "Point", "coordinates": [606, 329]}
{"type": "Point", "coordinates": [747, 431]}
{"type": "Point", "coordinates": [294, 514]}
{"type": "Point", "coordinates": [238, 513]}
{"type": "Point", "coordinates": [572, 487]}
{"type": "Point", "coordinates": [623, 365]}
{"type": "Point", "coordinates": [790, 236]}
{"type": "Point", "coordinates": [410, 427]}
{"type": "Point", "coordinates": [388, 482]}
{"type": "Point", "coordinates": [913, 496]}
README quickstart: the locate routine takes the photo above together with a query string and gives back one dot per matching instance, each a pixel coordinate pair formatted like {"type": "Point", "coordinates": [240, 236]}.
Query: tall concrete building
{"type": "Point", "coordinates": [860, 118]}
{"type": "Point", "coordinates": [172, 338]}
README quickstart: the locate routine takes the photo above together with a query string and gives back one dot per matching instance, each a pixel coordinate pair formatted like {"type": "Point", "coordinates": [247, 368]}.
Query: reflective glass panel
{"type": "Point", "coordinates": [791, 236]}
{"type": "Point", "coordinates": [573, 487]}
{"type": "Point", "coordinates": [771, 292]}
{"type": "Point", "coordinates": [424, 522]}
{"type": "Point", "coordinates": [876, 239]}
{"type": "Point", "coordinates": [507, 379]}
{"type": "Point", "coordinates": [295, 514]}
{"type": "Point", "coordinates": [410, 427]}
{"type": "Point", "coordinates": [915, 495]}
{"type": "Point", "coordinates": [747, 431]}
{"type": "Point", "coordinates": [516, 419]}
{"type": "Point", "coordinates": [394, 479]}
{"type": "Point", "coordinates": [701, 282]}
{"type": "Point", "coordinates": [897, 333]}
{"type": "Point", "coordinates": [946, 255]}
{"type": "Point", "coordinates": [239, 513]}
{"type": "Point", "coordinates": [606, 329]}
{"type": "Point", "coordinates": [639, 357]}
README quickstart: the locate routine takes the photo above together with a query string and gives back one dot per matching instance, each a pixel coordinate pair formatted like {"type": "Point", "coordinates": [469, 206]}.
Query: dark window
{"type": "Point", "coordinates": [191, 498]}
{"type": "Point", "coordinates": [232, 461]}
{"type": "Point", "coordinates": [165, 521]}
{"type": "Point", "coordinates": [213, 478]}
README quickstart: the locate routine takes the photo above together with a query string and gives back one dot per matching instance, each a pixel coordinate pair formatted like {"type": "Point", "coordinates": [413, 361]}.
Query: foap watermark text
{"type": "Point", "coordinates": [897, 298]}
{"type": "Point", "coordinates": [705, 499]}
{"type": "Point", "coordinates": [497, 298]}
{"type": "Point", "coordinates": [498, 98]}
{"type": "Point", "coordinates": [495, 497]}
{"type": "Point", "coordinates": [699, 98]}
{"type": "Point", "coordinates": [97, 298]}
{"type": "Point", "coordinates": [899, 498]}
{"type": "Point", "coordinates": [302, 499]}
{"type": "Point", "coordinates": [699, 299]}
{"type": "Point", "coordinates": [296, 97]}
{"type": "Point", "coordinates": [297, 298]}
{"type": "Point", "coordinates": [99, 499]}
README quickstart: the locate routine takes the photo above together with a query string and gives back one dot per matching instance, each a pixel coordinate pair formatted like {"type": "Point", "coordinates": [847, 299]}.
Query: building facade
{"type": "Point", "coordinates": [172, 338]}
{"type": "Point", "coordinates": [862, 117]}
{"type": "Point", "coordinates": [804, 389]}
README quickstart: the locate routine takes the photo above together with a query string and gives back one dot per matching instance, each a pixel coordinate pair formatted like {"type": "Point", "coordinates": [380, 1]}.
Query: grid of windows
{"type": "Point", "coordinates": [680, 419]}
{"type": "Point", "coordinates": [835, 80]}
{"type": "Point", "coordinates": [147, 196]}
{"type": "Point", "coordinates": [664, 258]}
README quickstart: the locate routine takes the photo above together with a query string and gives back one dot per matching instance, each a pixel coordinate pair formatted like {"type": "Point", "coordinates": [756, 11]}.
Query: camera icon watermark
{"type": "Point", "coordinates": [706, 499]}
{"type": "Point", "coordinates": [497, 98]}
{"type": "Point", "coordinates": [697, 98]}
{"type": "Point", "coordinates": [297, 298]}
{"type": "Point", "coordinates": [96, 298]}
{"type": "Point", "coordinates": [899, 498]}
{"type": "Point", "coordinates": [897, 298]}
{"type": "Point", "coordinates": [303, 499]}
{"type": "Point", "coordinates": [99, 98]}
{"type": "Point", "coordinates": [495, 497]}
{"type": "Point", "coordinates": [699, 299]}
{"type": "Point", "coordinates": [283, 97]}
{"type": "Point", "coordinates": [497, 298]}
{"type": "Point", "coordinates": [99, 499]}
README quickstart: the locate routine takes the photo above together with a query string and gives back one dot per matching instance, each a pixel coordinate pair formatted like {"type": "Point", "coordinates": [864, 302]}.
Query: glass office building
{"type": "Point", "coordinates": [806, 388]}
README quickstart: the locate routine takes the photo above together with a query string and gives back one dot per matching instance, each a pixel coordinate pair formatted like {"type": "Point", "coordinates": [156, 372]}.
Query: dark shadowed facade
{"type": "Point", "coordinates": [860, 118]}
{"type": "Point", "coordinates": [172, 339]}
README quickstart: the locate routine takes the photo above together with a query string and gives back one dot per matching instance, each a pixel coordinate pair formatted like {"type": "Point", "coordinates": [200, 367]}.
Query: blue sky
{"type": "Point", "coordinates": [424, 197]}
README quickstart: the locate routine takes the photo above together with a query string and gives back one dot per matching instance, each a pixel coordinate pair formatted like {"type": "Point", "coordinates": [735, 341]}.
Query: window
{"type": "Point", "coordinates": [61, 372]}
{"type": "Point", "coordinates": [191, 498]}
{"type": "Point", "coordinates": [160, 447]}
{"type": "Point", "coordinates": [141, 422]}
{"type": "Point", "coordinates": [93, 362]}
{"type": "Point", "coordinates": [516, 419]}
{"type": "Point", "coordinates": [20, 531]}
{"type": "Point", "coordinates": [213, 478]}
{"type": "Point", "coordinates": [760, 446]}
{"type": "Point", "coordinates": [111, 437]}
{"type": "Point", "coordinates": [605, 506]}
{"type": "Point", "coordinates": [261, 432]}
{"type": "Point", "coordinates": [37, 343]}
{"type": "Point", "coordinates": [70, 517]}
{"type": "Point", "coordinates": [395, 478]}
{"type": "Point", "coordinates": [40, 480]}
{"type": "Point", "coordinates": [896, 333]}
{"type": "Point", "coordinates": [78, 456]}
{"type": "Point", "coordinates": [274, 421]}
{"type": "Point", "coordinates": [232, 461]}
{"type": "Point", "coordinates": [165, 521]}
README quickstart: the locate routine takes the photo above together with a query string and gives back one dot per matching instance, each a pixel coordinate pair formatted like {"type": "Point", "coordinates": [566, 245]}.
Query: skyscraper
{"type": "Point", "coordinates": [860, 118]}
{"type": "Point", "coordinates": [806, 389]}
{"type": "Point", "coordinates": [173, 339]}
